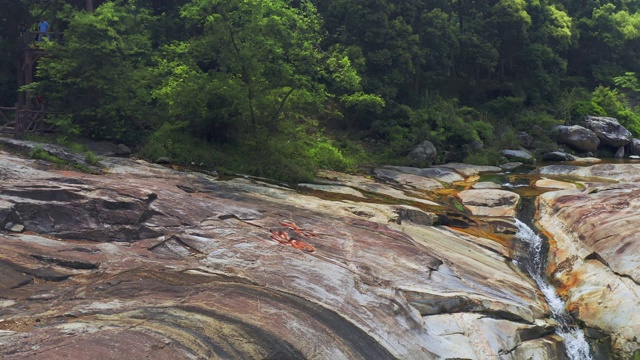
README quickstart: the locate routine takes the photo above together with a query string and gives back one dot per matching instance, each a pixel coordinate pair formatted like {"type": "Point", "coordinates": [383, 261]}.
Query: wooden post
{"type": "Point", "coordinates": [28, 75]}
{"type": "Point", "coordinates": [20, 82]}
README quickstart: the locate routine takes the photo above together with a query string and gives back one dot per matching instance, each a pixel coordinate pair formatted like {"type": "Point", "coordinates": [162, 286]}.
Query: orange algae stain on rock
{"type": "Point", "coordinates": [568, 282]}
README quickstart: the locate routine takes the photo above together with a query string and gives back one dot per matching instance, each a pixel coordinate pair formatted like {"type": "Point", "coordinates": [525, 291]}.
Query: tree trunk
{"type": "Point", "coordinates": [89, 5]}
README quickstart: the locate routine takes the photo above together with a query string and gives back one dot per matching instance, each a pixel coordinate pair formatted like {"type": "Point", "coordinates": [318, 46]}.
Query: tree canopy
{"type": "Point", "coordinates": [331, 78]}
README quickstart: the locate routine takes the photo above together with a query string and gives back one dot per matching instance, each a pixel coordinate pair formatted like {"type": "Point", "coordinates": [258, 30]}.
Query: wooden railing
{"type": "Point", "coordinates": [17, 121]}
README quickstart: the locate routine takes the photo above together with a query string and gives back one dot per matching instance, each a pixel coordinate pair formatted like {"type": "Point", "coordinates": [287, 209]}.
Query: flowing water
{"type": "Point", "coordinates": [533, 263]}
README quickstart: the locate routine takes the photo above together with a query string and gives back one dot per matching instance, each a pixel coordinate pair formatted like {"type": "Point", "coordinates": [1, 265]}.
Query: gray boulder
{"type": "Point", "coordinates": [576, 136]}
{"type": "Point", "coordinates": [633, 148]}
{"type": "Point", "coordinates": [425, 151]}
{"type": "Point", "coordinates": [518, 155]}
{"type": "Point", "coordinates": [527, 141]}
{"type": "Point", "coordinates": [619, 153]}
{"type": "Point", "coordinates": [558, 156]}
{"type": "Point", "coordinates": [608, 130]}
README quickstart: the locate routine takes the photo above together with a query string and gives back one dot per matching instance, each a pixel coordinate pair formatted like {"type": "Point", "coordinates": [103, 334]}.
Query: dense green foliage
{"type": "Point", "coordinates": [280, 88]}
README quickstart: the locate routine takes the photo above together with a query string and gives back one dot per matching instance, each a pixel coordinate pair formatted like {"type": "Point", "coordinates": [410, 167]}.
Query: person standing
{"type": "Point", "coordinates": [43, 28]}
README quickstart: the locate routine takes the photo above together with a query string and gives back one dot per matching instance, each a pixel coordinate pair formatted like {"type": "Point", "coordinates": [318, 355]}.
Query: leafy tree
{"type": "Point", "coordinates": [249, 66]}
{"type": "Point", "coordinates": [100, 73]}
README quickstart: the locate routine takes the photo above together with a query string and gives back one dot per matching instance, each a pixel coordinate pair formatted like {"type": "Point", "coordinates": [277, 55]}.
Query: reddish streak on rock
{"type": "Point", "coordinates": [284, 239]}
{"type": "Point", "coordinates": [301, 245]}
{"type": "Point", "coordinates": [294, 227]}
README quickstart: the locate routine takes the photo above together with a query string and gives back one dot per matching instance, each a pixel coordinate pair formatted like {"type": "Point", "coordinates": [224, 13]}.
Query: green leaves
{"type": "Point", "coordinates": [101, 72]}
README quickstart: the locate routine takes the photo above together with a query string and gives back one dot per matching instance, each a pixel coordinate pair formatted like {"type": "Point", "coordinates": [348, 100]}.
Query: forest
{"type": "Point", "coordinates": [281, 88]}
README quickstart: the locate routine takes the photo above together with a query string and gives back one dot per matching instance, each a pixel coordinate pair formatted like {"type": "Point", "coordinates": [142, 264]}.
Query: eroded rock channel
{"type": "Point", "coordinates": [146, 261]}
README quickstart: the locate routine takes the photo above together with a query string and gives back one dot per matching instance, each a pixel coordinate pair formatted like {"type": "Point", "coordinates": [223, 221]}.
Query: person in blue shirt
{"type": "Point", "coordinates": [43, 28]}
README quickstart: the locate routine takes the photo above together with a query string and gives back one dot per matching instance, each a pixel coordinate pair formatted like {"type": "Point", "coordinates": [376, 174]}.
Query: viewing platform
{"type": "Point", "coordinates": [25, 116]}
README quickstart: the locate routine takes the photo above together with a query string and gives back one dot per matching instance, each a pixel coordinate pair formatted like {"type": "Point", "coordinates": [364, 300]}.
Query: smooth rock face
{"type": "Point", "coordinates": [633, 148]}
{"type": "Point", "coordinates": [518, 155]}
{"type": "Point", "coordinates": [510, 166]}
{"type": "Point", "coordinates": [595, 252]}
{"type": "Point", "coordinates": [440, 174]}
{"type": "Point", "coordinates": [415, 181]}
{"type": "Point", "coordinates": [467, 170]}
{"type": "Point", "coordinates": [608, 130]}
{"type": "Point", "coordinates": [371, 186]}
{"type": "Point", "coordinates": [558, 156]}
{"type": "Point", "coordinates": [490, 202]}
{"type": "Point", "coordinates": [554, 184]}
{"type": "Point", "coordinates": [486, 185]}
{"type": "Point", "coordinates": [145, 261]}
{"type": "Point", "coordinates": [344, 190]}
{"type": "Point", "coordinates": [600, 172]}
{"type": "Point", "coordinates": [576, 136]}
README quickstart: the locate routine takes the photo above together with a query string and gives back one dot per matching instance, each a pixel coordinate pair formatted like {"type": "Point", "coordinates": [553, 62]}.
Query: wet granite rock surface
{"type": "Point", "coordinates": [146, 261]}
{"type": "Point", "coordinates": [594, 253]}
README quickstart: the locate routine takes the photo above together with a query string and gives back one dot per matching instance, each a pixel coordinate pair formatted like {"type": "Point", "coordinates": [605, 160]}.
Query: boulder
{"type": "Point", "coordinates": [633, 147]}
{"type": "Point", "coordinates": [490, 202]}
{"type": "Point", "coordinates": [619, 153]}
{"type": "Point", "coordinates": [558, 156]}
{"type": "Point", "coordinates": [578, 137]}
{"type": "Point", "coordinates": [518, 155]}
{"type": "Point", "coordinates": [511, 166]}
{"type": "Point", "coordinates": [608, 130]}
{"type": "Point", "coordinates": [416, 216]}
{"type": "Point", "coordinates": [526, 141]}
{"type": "Point", "coordinates": [423, 152]}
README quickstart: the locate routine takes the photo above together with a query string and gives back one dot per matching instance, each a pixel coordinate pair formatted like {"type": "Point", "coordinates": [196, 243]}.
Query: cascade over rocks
{"type": "Point", "coordinates": [143, 260]}
{"type": "Point", "coordinates": [594, 257]}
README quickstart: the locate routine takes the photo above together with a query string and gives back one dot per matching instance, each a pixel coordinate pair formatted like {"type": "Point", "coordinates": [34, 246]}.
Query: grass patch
{"type": "Point", "coordinates": [41, 154]}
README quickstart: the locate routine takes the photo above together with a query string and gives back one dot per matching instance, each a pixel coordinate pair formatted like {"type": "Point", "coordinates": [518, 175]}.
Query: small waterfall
{"type": "Point", "coordinates": [533, 263]}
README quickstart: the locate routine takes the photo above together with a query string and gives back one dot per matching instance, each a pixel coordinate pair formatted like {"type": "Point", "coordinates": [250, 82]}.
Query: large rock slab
{"type": "Point", "coordinates": [600, 172]}
{"type": "Point", "coordinates": [594, 255]}
{"type": "Point", "coordinates": [147, 261]}
{"type": "Point", "coordinates": [371, 186]}
{"type": "Point", "coordinates": [490, 202]}
{"type": "Point", "coordinates": [441, 174]}
{"type": "Point", "coordinates": [409, 180]}
{"type": "Point", "coordinates": [467, 170]}
{"type": "Point", "coordinates": [608, 130]}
